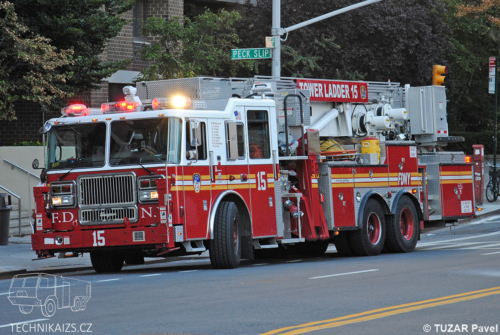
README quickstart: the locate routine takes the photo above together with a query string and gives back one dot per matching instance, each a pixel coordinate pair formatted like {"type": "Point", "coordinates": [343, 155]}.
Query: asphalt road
{"type": "Point", "coordinates": [452, 281]}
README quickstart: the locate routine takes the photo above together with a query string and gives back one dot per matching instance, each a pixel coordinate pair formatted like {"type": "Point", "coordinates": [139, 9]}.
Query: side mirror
{"type": "Point", "coordinates": [195, 133]}
{"type": "Point", "coordinates": [45, 128]}
{"type": "Point", "coordinates": [35, 164]}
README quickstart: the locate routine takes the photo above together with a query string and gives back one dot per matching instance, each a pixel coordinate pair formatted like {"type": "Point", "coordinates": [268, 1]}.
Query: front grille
{"type": "Point", "coordinates": [107, 215]}
{"type": "Point", "coordinates": [104, 190]}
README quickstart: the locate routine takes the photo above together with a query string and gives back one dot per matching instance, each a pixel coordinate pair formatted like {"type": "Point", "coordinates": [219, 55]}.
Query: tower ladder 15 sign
{"type": "Point", "coordinates": [334, 90]}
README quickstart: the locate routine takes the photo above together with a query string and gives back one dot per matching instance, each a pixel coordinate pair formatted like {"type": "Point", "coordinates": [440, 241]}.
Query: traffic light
{"type": "Point", "coordinates": [438, 72]}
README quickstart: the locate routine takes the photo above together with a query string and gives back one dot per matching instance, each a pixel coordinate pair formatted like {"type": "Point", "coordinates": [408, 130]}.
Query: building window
{"type": "Point", "coordinates": [140, 14]}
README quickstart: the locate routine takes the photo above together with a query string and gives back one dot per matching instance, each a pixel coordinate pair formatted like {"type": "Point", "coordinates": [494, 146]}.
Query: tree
{"type": "Point", "coordinates": [393, 39]}
{"type": "Point", "coordinates": [85, 26]}
{"type": "Point", "coordinates": [475, 36]}
{"type": "Point", "coordinates": [187, 48]}
{"type": "Point", "coordinates": [30, 68]}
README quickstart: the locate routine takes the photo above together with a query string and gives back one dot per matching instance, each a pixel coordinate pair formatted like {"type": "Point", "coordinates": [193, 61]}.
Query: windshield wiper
{"type": "Point", "coordinates": [74, 166]}
{"type": "Point", "coordinates": [145, 168]}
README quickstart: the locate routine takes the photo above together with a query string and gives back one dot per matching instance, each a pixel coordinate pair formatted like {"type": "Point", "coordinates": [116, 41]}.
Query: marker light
{"type": "Point", "coordinates": [467, 159]}
{"type": "Point", "coordinates": [177, 102]}
{"type": "Point", "coordinates": [75, 110]}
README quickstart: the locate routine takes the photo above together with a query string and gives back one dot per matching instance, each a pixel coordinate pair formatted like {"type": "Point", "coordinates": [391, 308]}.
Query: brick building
{"type": "Point", "coordinates": [124, 46]}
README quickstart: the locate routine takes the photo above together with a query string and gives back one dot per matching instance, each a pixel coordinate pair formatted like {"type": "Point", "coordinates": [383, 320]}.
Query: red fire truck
{"type": "Point", "coordinates": [247, 166]}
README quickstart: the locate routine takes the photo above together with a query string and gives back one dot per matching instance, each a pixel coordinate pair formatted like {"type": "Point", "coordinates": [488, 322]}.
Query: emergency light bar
{"type": "Point", "coordinates": [119, 107]}
{"type": "Point", "coordinates": [177, 102]}
{"type": "Point", "coordinates": [75, 110]}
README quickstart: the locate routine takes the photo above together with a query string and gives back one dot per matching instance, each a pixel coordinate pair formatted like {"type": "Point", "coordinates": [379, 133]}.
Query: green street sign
{"type": "Point", "coordinates": [259, 53]}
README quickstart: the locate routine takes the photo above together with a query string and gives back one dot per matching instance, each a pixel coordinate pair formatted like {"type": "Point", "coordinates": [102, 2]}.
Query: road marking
{"type": "Point", "coordinates": [344, 274]}
{"type": "Point", "coordinates": [104, 280]}
{"type": "Point", "coordinates": [491, 253]}
{"type": "Point", "coordinates": [456, 245]}
{"type": "Point", "coordinates": [425, 244]}
{"type": "Point", "coordinates": [260, 264]}
{"type": "Point", "coordinates": [20, 323]}
{"type": "Point", "coordinates": [383, 312]}
{"type": "Point", "coordinates": [188, 271]}
{"type": "Point", "coordinates": [485, 220]}
{"type": "Point", "coordinates": [483, 246]}
{"type": "Point", "coordinates": [156, 274]}
{"type": "Point", "coordinates": [294, 261]}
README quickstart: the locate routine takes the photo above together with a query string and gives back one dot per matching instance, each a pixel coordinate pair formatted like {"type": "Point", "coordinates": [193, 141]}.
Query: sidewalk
{"type": "Point", "coordinates": [17, 257]}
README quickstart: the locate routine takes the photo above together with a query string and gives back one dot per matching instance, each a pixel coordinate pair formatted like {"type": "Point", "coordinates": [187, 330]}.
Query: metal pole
{"type": "Point", "coordinates": [276, 66]}
{"type": "Point", "coordinates": [19, 213]}
{"type": "Point", "coordinates": [495, 130]}
{"type": "Point", "coordinates": [326, 16]}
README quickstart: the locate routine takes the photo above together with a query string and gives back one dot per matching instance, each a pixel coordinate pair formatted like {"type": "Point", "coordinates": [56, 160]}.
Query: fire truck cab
{"type": "Point", "coordinates": [247, 166]}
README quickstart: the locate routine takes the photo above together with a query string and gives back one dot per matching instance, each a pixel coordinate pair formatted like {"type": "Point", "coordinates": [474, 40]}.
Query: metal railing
{"type": "Point", "coordinates": [19, 205]}
{"type": "Point", "coordinates": [13, 165]}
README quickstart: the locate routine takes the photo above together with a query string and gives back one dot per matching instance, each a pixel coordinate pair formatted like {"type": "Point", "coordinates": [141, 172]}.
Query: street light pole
{"type": "Point", "coordinates": [277, 31]}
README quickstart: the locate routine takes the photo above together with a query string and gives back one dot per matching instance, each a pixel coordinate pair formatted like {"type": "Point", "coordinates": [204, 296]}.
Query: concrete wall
{"type": "Point", "coordinates": [15, 179]}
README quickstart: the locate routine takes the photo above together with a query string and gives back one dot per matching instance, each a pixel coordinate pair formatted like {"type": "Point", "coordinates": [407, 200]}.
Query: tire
{"type": "Point", "coordinates": [83, 304]}
{"type": "Point", "coordinates": [403, 229]}
{"type": "Point", "coordinates": [134, 259]}
{"type": "Point", "coordinates": [76, 305]}
{"type": "Point", "coordinates": [49, 308]}
{"type": "Point", "coordinates": [491, 195]}
{"type": "Point", "coordinates": [369, 240]}
{"type": "Point", "coordinates": [106, 261]}
{"type": "Point", "coordinates": [343, 244]}
{"type": "Point", "coordinates": [225, 247]}
{"type": "Point", "coordinates": [25, 309]}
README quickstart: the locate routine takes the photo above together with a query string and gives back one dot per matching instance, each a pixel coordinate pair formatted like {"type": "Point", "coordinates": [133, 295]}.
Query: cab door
{"type": "Point", "coordinates": [260, 163]}
{"type": "Point", "coordinates": [237, 156]}
{"type": "Point", "coordinates": [196, 180]}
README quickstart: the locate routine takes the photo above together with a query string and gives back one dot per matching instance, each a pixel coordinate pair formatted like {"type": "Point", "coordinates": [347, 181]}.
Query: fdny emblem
{"type": "Point", "coordinates": [363, 92]}
{"type": "Point", "coordinates": [197, 182]}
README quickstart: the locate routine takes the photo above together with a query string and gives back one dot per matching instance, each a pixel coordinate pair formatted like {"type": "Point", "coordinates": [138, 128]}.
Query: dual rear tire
{"type": "Point", "coordinates": [398, 234]}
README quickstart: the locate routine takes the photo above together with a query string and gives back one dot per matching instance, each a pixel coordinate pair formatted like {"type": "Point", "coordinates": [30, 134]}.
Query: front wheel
{"type": "Point", "coordinates": [491, 193]}
{"type": "Point", "coordinates": [25, 309]}
{"type": "Point", "coordinates": [369, 240]}
{"type": "Point", "coordinates": [50, 307]}
{"type": "Point", "coordinates": [106, 261]}
{"type": "Point", "coordinates": [225, 247]}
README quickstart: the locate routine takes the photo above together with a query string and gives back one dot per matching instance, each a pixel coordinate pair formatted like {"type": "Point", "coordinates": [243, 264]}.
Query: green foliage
{"type": "Point", "coordinates": [30, 68]}
{"type": "Point", "coordinates": [187, 48]}
{"type": "Point", "coordinates": [29, 144]}
{"type": "Point", "coordinates": [473, 39]}
{"type": "Point", "coordinates": [84, 26]}
{"type": "Point", "coordinates": [485, 138]}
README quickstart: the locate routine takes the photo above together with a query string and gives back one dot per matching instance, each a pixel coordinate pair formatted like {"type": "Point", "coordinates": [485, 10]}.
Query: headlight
{"type": "Point", "coordinates": [148, 191]}
{"type": "Point", "coordinates": [62, 194]}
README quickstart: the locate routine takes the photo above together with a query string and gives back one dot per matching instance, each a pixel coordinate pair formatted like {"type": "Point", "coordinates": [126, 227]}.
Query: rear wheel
{"type": "Point", "coordinates": [225, 247]}
{"type": "Point", "coordinates": [343, 244]}
{"type": "Point", "coordinates": [402, 232]}
{"type": "Point", "coordinates": [491, 195]}
{"type": "Point", "coordinates": [106, 261]}
{"type": "Point", "coordinates": [369, 240]}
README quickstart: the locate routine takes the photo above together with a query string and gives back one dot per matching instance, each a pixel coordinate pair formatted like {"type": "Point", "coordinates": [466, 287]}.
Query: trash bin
{"type": "Point", "coordinates": [5, 208]}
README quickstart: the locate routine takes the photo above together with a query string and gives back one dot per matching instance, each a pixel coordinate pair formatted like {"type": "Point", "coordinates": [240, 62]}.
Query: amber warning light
{"type": "Point", "coordinates": [468, 159]}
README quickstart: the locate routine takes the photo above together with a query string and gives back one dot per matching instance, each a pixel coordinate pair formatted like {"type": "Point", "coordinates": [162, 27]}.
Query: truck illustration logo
{"type": "Point", "coordinates": [48, 292]}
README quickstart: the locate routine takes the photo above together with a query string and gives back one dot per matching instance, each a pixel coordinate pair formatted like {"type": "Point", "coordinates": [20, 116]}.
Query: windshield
{"type": "Point", "coordinates": [76, 146]}
{"type": "Point", "coordinates": [145, 141]}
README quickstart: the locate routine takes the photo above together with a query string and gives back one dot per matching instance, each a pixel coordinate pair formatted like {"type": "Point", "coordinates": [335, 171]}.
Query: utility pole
{"type": "Point", "coordinates": [277, 31]}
